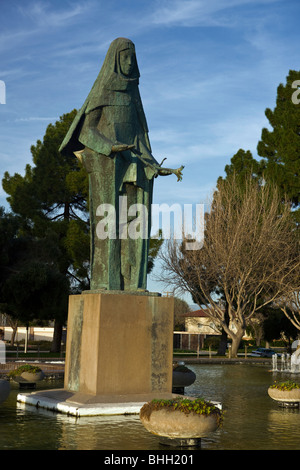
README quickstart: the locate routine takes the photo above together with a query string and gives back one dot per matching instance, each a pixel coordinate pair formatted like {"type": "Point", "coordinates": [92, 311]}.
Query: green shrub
{"type": "Point", "coordinates": [185, 405]}
{"type": "Point", "coordinates": [285, 386]}
{"type": "Point", "coordinates": [24, 368]}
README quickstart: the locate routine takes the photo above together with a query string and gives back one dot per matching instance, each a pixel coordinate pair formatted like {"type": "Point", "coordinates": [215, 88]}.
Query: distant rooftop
{"type": "Point", "coordinates": [196, 313]}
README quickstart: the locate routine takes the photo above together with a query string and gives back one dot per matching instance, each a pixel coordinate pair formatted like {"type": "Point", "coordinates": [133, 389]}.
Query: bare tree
{"type": "Point", "coordinates": [290, 305]}
{"type": "Point", "coordinates": [180, 308]}
{"type": "Point", "coordinates": [255, 325]}
{"type": "Point", "coordinates": [248, 254]}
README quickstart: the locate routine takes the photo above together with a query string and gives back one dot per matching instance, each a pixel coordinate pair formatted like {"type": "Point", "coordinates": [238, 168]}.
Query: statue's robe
{"type": "Point", "coordinates": [112, 114]}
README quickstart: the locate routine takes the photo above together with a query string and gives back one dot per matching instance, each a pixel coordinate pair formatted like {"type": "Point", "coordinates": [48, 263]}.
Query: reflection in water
{"type": "Point", "coordinates": [106, 433]}
{"type": "Point", "coordinates": [252, 419]}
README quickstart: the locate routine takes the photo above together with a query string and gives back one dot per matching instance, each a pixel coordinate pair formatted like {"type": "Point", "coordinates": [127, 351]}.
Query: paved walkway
{"type": "Point", "coordinates": [56, 369]}
{"type": "Point", "coordinates": [222, 360]}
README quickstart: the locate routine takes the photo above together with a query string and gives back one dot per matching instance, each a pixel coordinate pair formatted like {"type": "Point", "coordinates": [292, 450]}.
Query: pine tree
{"type": "Point", "coordinates": [280, 147]}
{"type": "Point", "coordinates": [52, 197]}
{"type": "Point", "coordinates": [243, 165]}
{"type": "Point", "coordinates": [31, 285]}
{"type": "Point", "coordinates": [51, 200]}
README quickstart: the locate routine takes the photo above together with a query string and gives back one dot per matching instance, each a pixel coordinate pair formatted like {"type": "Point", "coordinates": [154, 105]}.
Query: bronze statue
{"type": "Point", "coordinates": [110, 136]}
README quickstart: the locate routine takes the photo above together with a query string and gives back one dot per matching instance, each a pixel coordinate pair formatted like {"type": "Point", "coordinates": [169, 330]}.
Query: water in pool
{"type": "Point", "coordinates": [253, 421]}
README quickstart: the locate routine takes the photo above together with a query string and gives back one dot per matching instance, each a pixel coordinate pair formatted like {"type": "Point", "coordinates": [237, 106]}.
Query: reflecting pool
{"type": "Point", "coordinates": [253, 421]}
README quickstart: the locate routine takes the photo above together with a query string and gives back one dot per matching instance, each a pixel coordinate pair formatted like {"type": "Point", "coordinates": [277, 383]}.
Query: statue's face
{"type": "Point", "coordinates": [127, 60]}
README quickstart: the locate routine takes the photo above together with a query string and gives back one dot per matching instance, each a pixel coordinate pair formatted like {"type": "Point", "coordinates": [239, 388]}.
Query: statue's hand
{"type": "Point", "coordinates": [121, 147]}
{"type": "Point", "coordinates": [170, 171]}
{"type": "Point", "coordinates": [178, 173]}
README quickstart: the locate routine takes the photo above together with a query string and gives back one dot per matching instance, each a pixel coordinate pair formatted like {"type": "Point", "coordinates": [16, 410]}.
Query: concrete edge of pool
{"type": "Point", "coordinates": [76, 409]}
{"type": "Point", "coordinates": [54, 400]}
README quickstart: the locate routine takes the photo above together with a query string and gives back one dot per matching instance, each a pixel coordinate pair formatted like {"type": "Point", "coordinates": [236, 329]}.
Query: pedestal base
{"type": "Point", "coordinates": [119, 355]}
{"type": "Point", "coordinates": [119, 344]}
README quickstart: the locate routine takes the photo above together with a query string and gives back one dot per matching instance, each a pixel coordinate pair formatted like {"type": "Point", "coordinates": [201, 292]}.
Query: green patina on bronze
{"type": "Point", "coordinates": [110, 136]}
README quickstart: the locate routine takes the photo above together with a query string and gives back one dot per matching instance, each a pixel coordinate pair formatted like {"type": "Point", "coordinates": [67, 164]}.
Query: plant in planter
{"type": "Point", "coordinates": [27, 374]}
{"type": "Point", "coordinates": [285, 393]}
{"type": "Point", "coordinates": [181, 418]}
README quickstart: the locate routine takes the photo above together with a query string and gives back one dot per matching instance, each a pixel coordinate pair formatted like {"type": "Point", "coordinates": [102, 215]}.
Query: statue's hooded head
{"type": "Point", "coordinates": [123, 49]}
{"type": "Point", "coordinates": [111, 69]}
{"type": "Point", "coordinates": [111, 80]}
{"type": "Point", "coordinates": [112, 77]}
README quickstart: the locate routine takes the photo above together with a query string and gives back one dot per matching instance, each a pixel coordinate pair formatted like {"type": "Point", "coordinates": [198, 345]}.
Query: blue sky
{"type": "Point", "coordinates": [209, 69]}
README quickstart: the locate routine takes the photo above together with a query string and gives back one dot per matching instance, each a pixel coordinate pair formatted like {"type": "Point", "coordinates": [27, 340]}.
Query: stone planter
{"type": "Point", "coordinates": [184, 428]}
{"type": "Point", "coordinates": [4, 390]}
{"type": "Point", "coordinates": [27, 378]}
{"type": "Point", "coordinates": [30, 377]}
{"type": "Point", "coordinates": [285, 397]}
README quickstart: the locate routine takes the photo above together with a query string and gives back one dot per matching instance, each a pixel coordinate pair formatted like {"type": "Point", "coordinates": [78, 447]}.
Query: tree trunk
{"type": "Point", "coordinates": [223, 344]}
{"type": "Point", "coordinates": [224, 338]}
{"type": "Point", "coordinates": [236, 339]}
{"type": "Point", "coordinates": [14, 326]}
{"type": "Point", "coordinates": [57, 336]}
{"type": "Point", "coordinates": [26, 340]}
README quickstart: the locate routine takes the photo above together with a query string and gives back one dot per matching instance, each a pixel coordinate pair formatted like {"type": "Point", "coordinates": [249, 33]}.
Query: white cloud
{"type": "Point", "coordinates": [35, 118]}
{"type": "Point", "coordinates": [43, 15]}
{"type": "Point", "coordinates": [190, 13]}
{"type": "Point", "coordinates": [40, 18]}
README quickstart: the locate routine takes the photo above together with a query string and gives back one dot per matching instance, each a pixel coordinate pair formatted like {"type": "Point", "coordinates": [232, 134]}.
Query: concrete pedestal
{"type": "Point", "coordinates": [119, 352]}
{"type": "Point", "coordinates": [119, 344]}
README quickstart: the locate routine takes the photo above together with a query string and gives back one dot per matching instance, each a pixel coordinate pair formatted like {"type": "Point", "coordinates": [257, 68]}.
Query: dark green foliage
{"type": "Point", "coordinates": [280, 147]}
{"type": "Point", "coordinates": [52, 198]}
{"type": "Point", "coordinates": [31, 285]}
{"type": "Point", "coordinates": [243, 165]}
{"type": "Point", "coordinates": [24, 368]}
{"type": "Point", "coordinates": [50, 201]}
{"type": "Point", "coordinates": [155, 246]}
{"type": "Point", "coordinates": [285, 386]}
{"type": "Point", "coordinates": [276, 323]}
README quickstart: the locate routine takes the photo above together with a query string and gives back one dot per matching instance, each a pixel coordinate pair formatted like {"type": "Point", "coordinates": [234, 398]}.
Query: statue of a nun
{"type": "Point", "coordinates": [110, 136]}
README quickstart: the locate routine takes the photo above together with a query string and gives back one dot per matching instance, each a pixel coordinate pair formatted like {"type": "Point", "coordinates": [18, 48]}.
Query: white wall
{"type": "Point", "coordinates": [35, 333]}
